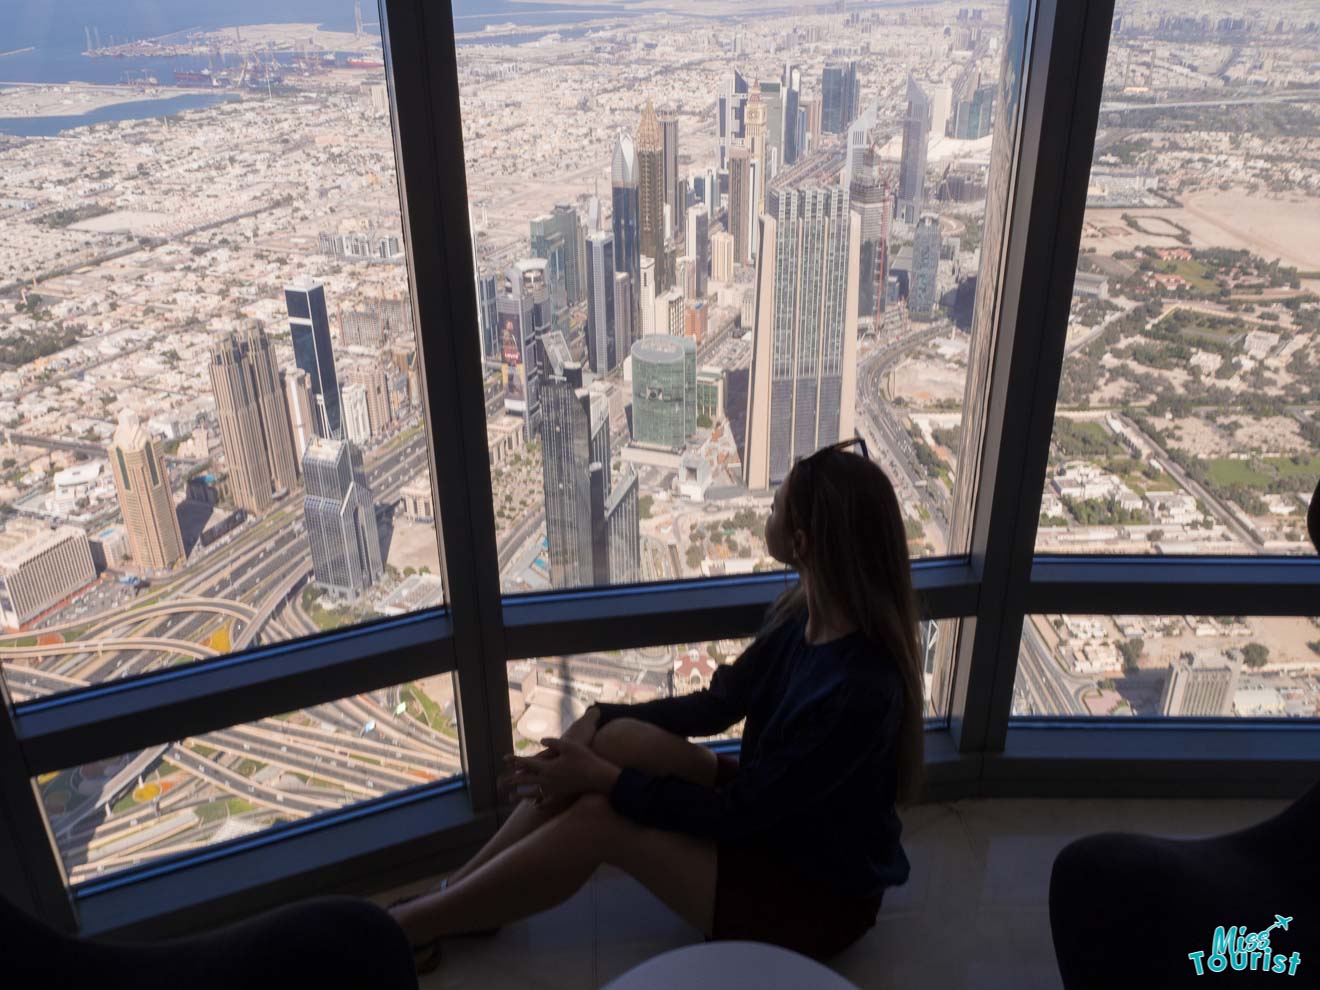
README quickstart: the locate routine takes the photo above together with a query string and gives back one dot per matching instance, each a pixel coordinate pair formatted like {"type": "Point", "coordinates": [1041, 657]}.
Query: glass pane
{"type": "Point", "coordinates": [1152, 665]}
{"type": "Point", "coordinates": [547, 694]}
{"type": "Point", "coordinates": [939, 640]}
{"type": "Point", "coordinates": [186, 795]}
{"type": "Point", "coordinates": [718, 247]}
{"type": "Point", "coordinates": [209, 388]}
{"type": "Point", "coordinates": [1185, 420]}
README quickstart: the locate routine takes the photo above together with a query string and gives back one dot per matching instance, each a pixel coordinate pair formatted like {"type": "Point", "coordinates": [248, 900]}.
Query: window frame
{"type": "Point", "coordinates": [980, 752]}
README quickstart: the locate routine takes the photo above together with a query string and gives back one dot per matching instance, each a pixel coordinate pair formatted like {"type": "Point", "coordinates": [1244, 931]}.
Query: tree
{"type": "Point", "coordinates": [1254, 655]}
{"type": "Point", "coordinates": [1131, 650]}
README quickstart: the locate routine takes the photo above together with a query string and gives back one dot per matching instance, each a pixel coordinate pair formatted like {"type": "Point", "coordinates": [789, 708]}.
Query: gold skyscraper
{"type": "Point", "coordinates": [143, 485]}
{"type": "Point", "coordinates": [253, 423]}
{"type": "Point", "coordinates": [651, 194]}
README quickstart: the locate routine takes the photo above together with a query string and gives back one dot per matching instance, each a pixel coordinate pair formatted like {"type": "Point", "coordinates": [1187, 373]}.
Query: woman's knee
{"type": "Point", "coordinates": [621, 739]}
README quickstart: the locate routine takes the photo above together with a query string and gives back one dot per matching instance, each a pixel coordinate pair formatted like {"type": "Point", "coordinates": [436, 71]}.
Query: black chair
{"type": "Point", "coordinates": [339, 942]}
{"type": "Point", "coordinates": [1126, 910]}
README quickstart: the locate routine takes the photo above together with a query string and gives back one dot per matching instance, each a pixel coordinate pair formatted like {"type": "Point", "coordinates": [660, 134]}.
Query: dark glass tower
{"type": "Point", "coordinates": [341, 518]}
{"type": "Point", "coordinates": [623, 179]}
{"type": "Point", "coordinates": [912, 169]}
{"type": "Point", "coordinates": [591, 525]}
{"type": "Point", "coordinates": [924, 293]}
{"type": "Point", "coordinates": [840, 98]}
{"type": "Point", "coordinates": [309, 326]}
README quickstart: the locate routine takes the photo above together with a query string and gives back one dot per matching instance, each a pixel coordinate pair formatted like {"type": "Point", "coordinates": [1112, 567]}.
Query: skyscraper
{"type": "Point", "coordinates": [374, 379]}
{"type": "Point", "coordinates": [490, 342]}
{"type": "Point", "coordinates": [758, 132]}
{"type": "Point", "coordinates": [669, 313]}
{"type": "Point", "coordinates": [741, 208]}
{"type": "Point", "coordinates": [698, 245]}
{"type": "Point", "coordinates": [792, 114]}
{"type": "Point", "coordinates": [591, 526]}
{"type": "Point", "coordinates": [772, 96]}
{"type": "Point", "coordinates": [357, 421]}
{"type": "Point", "coordinates": [804, 345]}
{"type": "Point", "coordinates": [624, 305]}
{"type": "Point", "coordinates": [548, 244]}
{"type": "Point", "coordinates": [923, 294]}
{"type": "Point", "coordinates": [732, 99]}
{"type": "Point", "coordinates": [620, 513]}
{"type": "Point", "coordinates": [646, 296]}
{"type": "Point", "coordinates": [559, 237]}
{"type": "Point", "coordinates": [142, 483]}
{"type": "Point", "coordinates": [870, 199]}
{"type": "Point", "coordinates": [341, 517]}
{"type": "Point", "coordinates": [721, 257]}
{"type": "Point", "coordinates": [673, 199]}
{"type": "Point", "coordinates": [253, 422]}
{"type": "Point", "coordinates": [664, 391]}
{"type": "Point", "coordinates": [523, 309]}
{"type": "Point", "coordinates": [912, 168]}
{"type": "Point", "coordinates": [840, 97]}
{"type": "Point", "coordinates": [310, 328]}
{"type": "Point", "coordinates": [623, 180]}
{"type": "Point", "coordinates": [651, 194]}
{"type": "Point", "coordinates": [811, 124]}
{"type": "Point", "coordinates": [602, 350]}
{"type": "Point", "coordinates": [297, 390]}
{"type": "Point", "coordinates": [973, 113]}
{"type": "Point", "coordinates": [1200, 684]}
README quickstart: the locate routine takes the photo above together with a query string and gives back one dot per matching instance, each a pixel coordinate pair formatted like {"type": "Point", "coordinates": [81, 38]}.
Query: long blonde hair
{"type": "Point", "coordinates": [857, 557]}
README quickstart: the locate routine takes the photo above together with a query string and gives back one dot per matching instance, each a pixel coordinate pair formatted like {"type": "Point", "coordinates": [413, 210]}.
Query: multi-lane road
{"type": "Point", "coordinates": [345, 751]}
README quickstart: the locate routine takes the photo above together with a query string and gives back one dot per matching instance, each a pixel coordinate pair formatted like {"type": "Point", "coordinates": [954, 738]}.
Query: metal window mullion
{"type": "Point", "coordinates": [711, 609]}
{"type": "Point", "coordinates": [428, 136]}
{"type": "Point", "coordinates": [1063, 83]}
{"type": "Point", "coordinates": [123, 717]}
{"type": "Point", "coordinates": [1174, 586]}
{"type": "Point", "coordinates": [31, 872]}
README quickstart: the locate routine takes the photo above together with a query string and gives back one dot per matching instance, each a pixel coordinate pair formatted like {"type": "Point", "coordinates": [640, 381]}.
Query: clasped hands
{"type": "Point", "coordinates": [567, 767]}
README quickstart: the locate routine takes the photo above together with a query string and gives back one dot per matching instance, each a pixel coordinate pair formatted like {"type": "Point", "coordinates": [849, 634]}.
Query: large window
{"type": "Point", "coordinates": [693, 270]}
{"type": "Point", "coordinates": [210, 395]}
{"type": "Point", "coordinates": [242, 324]}
{"type": "Point", "coordinates": [1186, 413]}
{"type": "Point", "coordinates": [185, 795]}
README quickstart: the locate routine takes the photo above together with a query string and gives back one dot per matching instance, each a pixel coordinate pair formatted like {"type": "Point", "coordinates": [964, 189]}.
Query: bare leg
{"type": "Point", "coordinates": [624, 742]}
{"type": "Point", "coordinates": [548, 866]}
{"type": "Point", "coordinates": [526, 818]}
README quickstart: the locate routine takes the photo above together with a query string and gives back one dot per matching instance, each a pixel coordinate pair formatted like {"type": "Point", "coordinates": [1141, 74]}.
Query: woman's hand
{"type": "Point", "coordinates": [566, 769]}
{"type": "Point", "coordinates": [584, 729]}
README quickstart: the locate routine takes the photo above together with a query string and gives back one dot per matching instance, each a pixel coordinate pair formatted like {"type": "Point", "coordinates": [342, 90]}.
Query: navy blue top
{"type": "Point", "coordinates": [817, 773]}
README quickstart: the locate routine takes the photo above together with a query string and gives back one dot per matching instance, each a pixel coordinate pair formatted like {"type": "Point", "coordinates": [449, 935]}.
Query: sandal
{"type": "Point", "coordinates": [426, 957]}
{"type": "Point", "coordinates": [479, 933]}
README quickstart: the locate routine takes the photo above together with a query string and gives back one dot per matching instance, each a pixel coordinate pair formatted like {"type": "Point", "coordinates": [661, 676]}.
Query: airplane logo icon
{"type": "Point", "coordinates": [1279, 922]}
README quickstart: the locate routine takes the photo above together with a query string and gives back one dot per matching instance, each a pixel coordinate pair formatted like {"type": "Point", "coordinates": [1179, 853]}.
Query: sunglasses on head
{"type": "Point", "coordinates": [841, 446]}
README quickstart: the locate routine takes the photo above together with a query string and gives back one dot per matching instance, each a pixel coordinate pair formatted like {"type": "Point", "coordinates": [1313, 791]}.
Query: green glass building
{"type": "Point", "coordinates": [664, 380]}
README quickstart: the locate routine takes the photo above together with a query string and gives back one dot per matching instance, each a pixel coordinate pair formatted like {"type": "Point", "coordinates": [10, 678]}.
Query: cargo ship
{"type": "Point", "coordinates": [365, 63]}
{"type": "Point", "coordinates": [184, 77]}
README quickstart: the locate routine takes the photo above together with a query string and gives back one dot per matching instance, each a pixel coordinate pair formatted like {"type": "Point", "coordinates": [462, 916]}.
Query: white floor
{"type": "Point", "coordinates": [974, 914]}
